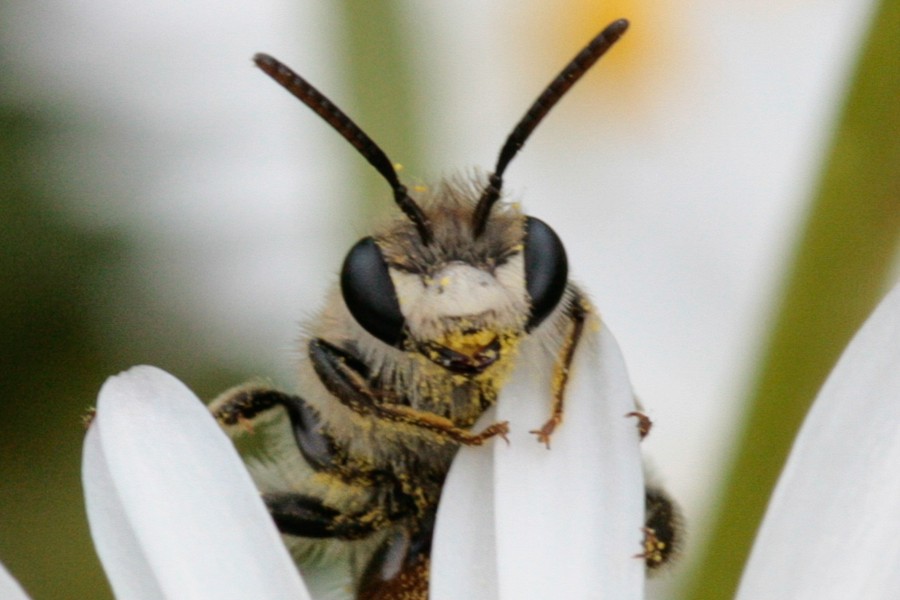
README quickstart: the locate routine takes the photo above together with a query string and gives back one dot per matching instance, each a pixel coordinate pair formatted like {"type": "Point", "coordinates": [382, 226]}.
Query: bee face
{"type": "Point", "coordinates": [464, 300]}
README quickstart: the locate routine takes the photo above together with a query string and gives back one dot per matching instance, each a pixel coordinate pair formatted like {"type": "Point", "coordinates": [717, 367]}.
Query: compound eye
{"type": "Point", "coordinates": [369, 292]}
{"type": "Point", "coordinates": [546, 269]}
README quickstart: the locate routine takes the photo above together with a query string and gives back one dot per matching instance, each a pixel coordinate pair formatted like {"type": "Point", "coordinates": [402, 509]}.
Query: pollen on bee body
{"type": "Point", "coordinates": [468, 343]}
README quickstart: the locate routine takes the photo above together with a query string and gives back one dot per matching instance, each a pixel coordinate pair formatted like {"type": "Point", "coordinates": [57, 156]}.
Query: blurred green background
{"type": "Point", "coordinates": [59, 290]}
{"type": "Point", "coordinates": [74, 307]}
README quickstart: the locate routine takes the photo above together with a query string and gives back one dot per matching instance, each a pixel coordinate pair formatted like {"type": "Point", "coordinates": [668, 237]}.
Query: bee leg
{"type": "Point", "coordinates": [644, 424]}
{"type": "Point", "coordinates": [244, 403]}
{"type": "Point", "coordinates": [577, 312]}
{"type": "Point", "coordinates": [305, 516]}
{"type": "Point", "coordinates": [662, 529]}
{"type": "Point", "coordinates": [399, 568]}
{"type": "Point", "coordinates": [347, 379]}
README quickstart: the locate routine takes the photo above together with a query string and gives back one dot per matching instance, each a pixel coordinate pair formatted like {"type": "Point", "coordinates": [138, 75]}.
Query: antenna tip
{"type": "Point", "coordinates": [618, 26]}
{"type": "Point", "coordinates": [261, 58]}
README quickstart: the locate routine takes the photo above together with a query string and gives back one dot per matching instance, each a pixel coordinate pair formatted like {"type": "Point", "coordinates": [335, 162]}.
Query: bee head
{"type": "Point", "coordinates": [460, 299]}
{"type": "Point", "coordinates": [457, 278]}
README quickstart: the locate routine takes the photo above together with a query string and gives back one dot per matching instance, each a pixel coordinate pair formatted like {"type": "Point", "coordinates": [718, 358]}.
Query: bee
{"type": "Point", "coordinates": [411, 348]}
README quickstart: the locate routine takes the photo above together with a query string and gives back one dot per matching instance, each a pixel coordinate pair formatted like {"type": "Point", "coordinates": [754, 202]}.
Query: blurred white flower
{"type": "Point", "coordinates": [832, 530]}
{"type": "Point", "coordinates": [9, 587]}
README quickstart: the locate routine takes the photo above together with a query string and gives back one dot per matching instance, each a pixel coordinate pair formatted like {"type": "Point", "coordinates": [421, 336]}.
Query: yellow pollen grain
{"type": "Point", "coordinates": [468, 343]}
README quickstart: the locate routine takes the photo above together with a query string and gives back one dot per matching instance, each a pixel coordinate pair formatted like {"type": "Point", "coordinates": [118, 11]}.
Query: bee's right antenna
{"type": "Point", "coordinates": [547, 100]}
{"type": "Point", "coordinates": [351, 132]}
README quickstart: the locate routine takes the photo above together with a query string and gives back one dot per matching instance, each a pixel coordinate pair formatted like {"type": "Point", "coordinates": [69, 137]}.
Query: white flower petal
{"type": "Point", "coordinates": [567, 520]}
{"type": "Point", "coordinates": [173, 512]}
{"type": "Point", "coordinates": [9, 587]}
{"type": "Point", "coordinates": [120, 551]}
{"type": "Point", "coordinates": [463, 552]}
{"type": "Point", "coordinates": [832, 529]}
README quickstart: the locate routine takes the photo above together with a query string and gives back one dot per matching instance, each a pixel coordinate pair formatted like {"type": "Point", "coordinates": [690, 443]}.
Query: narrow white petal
{"type": "Point", "coordinates": [9, 587]}
{"type": "Point", "coordinates": [119, 550]}
{"type": "Point", "coordinates": [832, 529]}
{"type": "Point", "coordinates": [569, 518]}
{"type": "Point", "coordinates": [463, 553]}
{"type": "Point", "coordinates": [566, 520]}
{"type": "Point", "coordinates": [170, 504]}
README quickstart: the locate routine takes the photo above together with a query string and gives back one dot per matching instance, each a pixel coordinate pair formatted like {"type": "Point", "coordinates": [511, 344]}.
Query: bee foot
{"type": "Point", "coordinates": [654, 549]}
{"type": "Point", "coordinates": [88, 417]}
{"type": "Point", "coordinates": [644, 424]}
{"type": "Point", "coordinates": [499, 429]}
{"type": "Point", "coordinates": [543, 434]}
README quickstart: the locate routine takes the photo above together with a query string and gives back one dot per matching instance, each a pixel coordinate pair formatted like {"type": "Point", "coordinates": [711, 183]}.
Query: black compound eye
{"type": "Point", "coordinates": [369, 292]}
{"type": "Point", "coordinates": [546, 269]}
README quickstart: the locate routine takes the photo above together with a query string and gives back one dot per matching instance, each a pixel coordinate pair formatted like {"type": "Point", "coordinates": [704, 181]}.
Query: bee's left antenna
{"type": "Point", "coordinates": [350, 131]}
{"type": "Point", "coordinates": [539, 109]}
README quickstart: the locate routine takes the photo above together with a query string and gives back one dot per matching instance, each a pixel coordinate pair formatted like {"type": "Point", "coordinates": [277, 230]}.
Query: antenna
{"type": "Point", "coordinates": [579, 65]}
{"type": "Point", "coordinates": [350, 131]}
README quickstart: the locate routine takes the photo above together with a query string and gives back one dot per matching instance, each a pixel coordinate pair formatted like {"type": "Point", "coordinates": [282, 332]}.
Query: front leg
{"type": "Point", "coordinates": [308, 516]}
{"type": "Point", "coordinates": [347, 379]}
{"type": "Point", "coordinates": [242, 404]}
{"type": "Point", "coordinates": [577, 313]}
